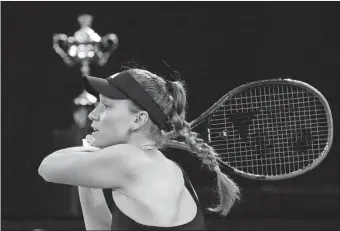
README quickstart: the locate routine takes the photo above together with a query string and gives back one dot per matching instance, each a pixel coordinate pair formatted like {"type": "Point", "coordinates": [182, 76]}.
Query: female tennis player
{"type": "Point", "coordinates": [125, 181]}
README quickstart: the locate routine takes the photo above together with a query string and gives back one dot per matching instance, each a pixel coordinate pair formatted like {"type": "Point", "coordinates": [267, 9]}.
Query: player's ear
{"type": "Point", "coordinates": [139, 120]}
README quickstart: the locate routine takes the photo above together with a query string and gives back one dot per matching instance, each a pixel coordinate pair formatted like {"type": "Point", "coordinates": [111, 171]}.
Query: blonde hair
{"type": "Point", "coordinates": [171, 97]}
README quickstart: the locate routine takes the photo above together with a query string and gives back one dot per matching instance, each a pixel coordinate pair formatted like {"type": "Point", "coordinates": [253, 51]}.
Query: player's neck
{"type": "Point", "coordinates": [141, 141]}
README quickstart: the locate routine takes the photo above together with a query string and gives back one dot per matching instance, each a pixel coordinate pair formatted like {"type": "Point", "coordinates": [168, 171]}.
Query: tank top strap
{"type": "Point", "coordinates": [189, 185]}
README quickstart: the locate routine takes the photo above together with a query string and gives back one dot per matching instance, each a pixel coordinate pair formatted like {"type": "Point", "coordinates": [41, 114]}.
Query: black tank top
{"type": "Point", "coordinates": [120, 221]}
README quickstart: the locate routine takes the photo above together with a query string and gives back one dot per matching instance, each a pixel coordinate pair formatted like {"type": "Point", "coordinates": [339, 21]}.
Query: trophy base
{"type": "Point", "coordinates": [85, 99]}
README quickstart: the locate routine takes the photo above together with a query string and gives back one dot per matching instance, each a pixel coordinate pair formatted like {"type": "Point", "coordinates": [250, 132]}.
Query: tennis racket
{"type": "Point", "coordinates": [268, 130]}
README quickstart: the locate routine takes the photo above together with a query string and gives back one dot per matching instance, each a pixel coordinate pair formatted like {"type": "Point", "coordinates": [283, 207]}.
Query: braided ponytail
{"type": "Point", "coordinates": [171, 97]}
{"type": "Point", "coordinates": [228, 191]}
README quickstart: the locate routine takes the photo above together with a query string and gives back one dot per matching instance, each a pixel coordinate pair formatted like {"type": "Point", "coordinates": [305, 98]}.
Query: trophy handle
{"type": "Point", "coordinates": [111, 47]}
{"type": "Point", "coordinates": [61, 38]}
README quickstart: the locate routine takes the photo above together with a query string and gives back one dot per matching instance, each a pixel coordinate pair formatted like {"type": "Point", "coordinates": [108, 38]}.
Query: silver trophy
{"type": "Point", "coordinates": [85, 47]}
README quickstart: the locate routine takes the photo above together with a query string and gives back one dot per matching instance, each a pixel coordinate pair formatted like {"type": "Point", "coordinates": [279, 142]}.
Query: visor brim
{"type": "Point", "coordinates": [96, 86]}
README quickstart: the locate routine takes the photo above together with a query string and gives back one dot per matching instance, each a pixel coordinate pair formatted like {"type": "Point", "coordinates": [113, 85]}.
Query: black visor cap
{"type": "Point", "coordinates": [96, 86]}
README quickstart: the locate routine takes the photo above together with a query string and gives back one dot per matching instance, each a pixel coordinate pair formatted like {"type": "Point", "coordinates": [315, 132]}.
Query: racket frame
{"type": "Point", "coordinates": [207, 115]}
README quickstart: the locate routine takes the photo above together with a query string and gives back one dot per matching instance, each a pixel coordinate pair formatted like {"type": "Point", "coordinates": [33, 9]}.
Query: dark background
{"type": "Point", "coordinates": [214, 46]}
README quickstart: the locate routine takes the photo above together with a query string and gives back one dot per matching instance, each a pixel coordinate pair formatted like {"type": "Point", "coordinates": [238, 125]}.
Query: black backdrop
{"type": "Point", "coordinates": [214, 46]}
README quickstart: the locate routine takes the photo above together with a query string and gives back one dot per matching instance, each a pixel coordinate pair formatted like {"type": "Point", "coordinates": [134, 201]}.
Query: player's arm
{"type": "Point", "coordinates": [111, 167]}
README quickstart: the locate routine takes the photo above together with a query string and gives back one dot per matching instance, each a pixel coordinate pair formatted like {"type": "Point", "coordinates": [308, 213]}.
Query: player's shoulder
{"type": "Point", "coordinates": [128, 156]}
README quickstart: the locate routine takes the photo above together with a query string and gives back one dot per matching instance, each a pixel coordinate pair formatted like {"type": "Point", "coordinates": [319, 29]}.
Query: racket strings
{"type": "Point", "coordinates": [272, 129]}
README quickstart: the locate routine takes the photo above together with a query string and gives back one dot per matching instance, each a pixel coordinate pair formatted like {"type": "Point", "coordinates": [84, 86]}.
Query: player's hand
{"type": "Point", "coordinates": [87, 144]}
{"type": "Point", "coordinates": [88, 141]}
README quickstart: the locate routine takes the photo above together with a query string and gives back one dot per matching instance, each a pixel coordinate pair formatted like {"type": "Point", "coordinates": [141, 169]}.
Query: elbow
{"type": "Point", "coordinates": [44, 170]}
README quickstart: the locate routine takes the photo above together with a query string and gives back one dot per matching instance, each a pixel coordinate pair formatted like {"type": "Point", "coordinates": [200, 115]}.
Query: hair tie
{"type": "Point", "coordinates": [169, 87]}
